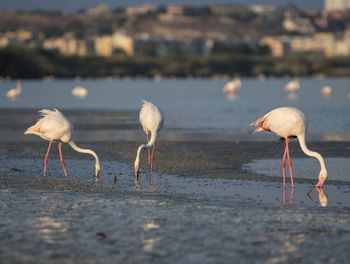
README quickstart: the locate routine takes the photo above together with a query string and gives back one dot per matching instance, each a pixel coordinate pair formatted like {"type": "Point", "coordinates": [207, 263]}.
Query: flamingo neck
{"type": "Point", "coordinates": [86, 151]}
{"type": "Point", "coordinates": [310, 153]}
{"type": "Point", "coordinates": [149, 144]}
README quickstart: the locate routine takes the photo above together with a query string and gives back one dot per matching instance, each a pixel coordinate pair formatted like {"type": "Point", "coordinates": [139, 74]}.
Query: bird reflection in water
{"type": "Point", "coordinates": [322, 196]}
{"type": "Point", "coordinates": [150, 183]}
{"type": "Point", "coordinates": [284, 196]}
{"type": "Point", "coordinates": [292, 96]}
{"type": "Point", "coordinates": [231, 96]}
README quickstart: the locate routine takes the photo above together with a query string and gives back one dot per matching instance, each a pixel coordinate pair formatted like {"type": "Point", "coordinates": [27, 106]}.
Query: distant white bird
{"type": "Point", "coordinates": [151, 119]}
{"type": "Point", "coordinates": [54, 126]}
{"type": "Point", "coordinates": [326, 91]}
{"type": "Point", "coordinates": [287, 123]}
{"type": "Point", "coordinates": [292, 86]}
{"type": "Point", "coordinates": [232, 86]}
{"type": "Point", "coordinates": [80, 92]}
{"type": "Point", "coordinates": [13, 93]}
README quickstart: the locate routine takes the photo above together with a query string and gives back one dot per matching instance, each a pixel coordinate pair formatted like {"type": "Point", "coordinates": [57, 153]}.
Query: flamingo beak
{"type": "Point", "coordinates": [320, 183]}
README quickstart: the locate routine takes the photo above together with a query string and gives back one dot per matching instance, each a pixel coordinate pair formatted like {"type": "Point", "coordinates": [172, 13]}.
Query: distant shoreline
{"type": "Point", "coordinates": [21, 62]}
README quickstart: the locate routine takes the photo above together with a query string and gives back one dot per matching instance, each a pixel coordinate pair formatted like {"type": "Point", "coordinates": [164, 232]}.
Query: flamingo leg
{"type": "Point", "coordinates": [150, 181]}
{"type": "Point", "coordinates": [291, 197]}
{"type": "Point", "coordinates": [148, 152]}
{"type": "Point", "coordinates": [46, 157]}
{"type": "Point", "coordinates": [290, 165]}
{"type": "Point", "coordinates": [284, 166]}
{"type": "Point", "coordinates": [152, 155]}
{"type": "Point", "coordinates": [61, 159]}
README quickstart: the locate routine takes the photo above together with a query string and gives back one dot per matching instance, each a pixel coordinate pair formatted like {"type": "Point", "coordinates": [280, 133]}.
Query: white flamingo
{"type": "Point", "coordinates": [232, 86]}
{"type": "Point", "coordinates": [287, 123]}
{"type": "Point", "coordinates": [54, 126]}
{"type": "Point", "coordinates": [151, 119]}
{"type": "Point", "coordinates": [80, 92]}
{"type": "Point", "coordinates": [326, 91]}
{"type": "Point", "coordinates": [13, 93]}
{"type": "Point", "coordinates": [292, 86]}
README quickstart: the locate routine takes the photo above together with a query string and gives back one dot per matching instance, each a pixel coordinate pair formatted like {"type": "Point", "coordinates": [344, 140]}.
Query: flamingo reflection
{"type": "Point", "coordinates": [231, 96]}
{"type": "Point", "coordinates": [292, 96]}
{"type": "Point", "coordinates": [150, 183]}
{"type": "Point", "coordinates": [284, 196]}
{"type": "Point", "coordinates": [322, 196]}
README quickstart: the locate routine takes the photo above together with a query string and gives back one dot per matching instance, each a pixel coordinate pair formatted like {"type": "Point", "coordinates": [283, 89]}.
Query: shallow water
{"type": "Point", "coordinates": [168, 218]}
{"type": "Point", "coordinates": [306, 168]}
{"type": "Point", "coordinates": [162, 218]}
{"type": "Point", "coordinates": [120, 178]}
{"type": "Point", "coordinates": [199, 105]}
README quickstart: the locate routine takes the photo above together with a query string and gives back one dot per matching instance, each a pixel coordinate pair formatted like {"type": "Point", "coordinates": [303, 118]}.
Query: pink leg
{"type": "Point", "coordinates": [150, 181]}
{"type": "Point", "coordinates": [46, 157]}
{"type": "Point", "coordinates": [148, 152]}
{"type": "Point", "coordinates": [290, 167]}
{"type": "Point", "coordinates": [61, 159]}
{"type": "Point", "coordinates": [284, 166]}
{"type": "Point", "coordinates": [291, 198]}
{"type": "Point", "coordinates": [152, 156]}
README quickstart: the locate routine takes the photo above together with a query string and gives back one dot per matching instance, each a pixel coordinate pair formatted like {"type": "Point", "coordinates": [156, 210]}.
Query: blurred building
{"type": "Point", "coordinates": [228, 9]}
{"type": "Point", "coordinates": [268, 11]}
{"type": "Point", "coordinates": [298, 24]}
{"type": "Point", "coordinates": [140, 10]}
{"type": "Point", "coordinates": [4, 41]}
{"type": "Point", "coordinates": [321, 43]}
{"type": "Point", "coordinates": [278, 45]}
{"type": "Point", "coordinates": [99, 10]}
{"type": "Point", "coordinates": [336, 6]}
{"type": "Point", "coordinates": [18, 37]}
{"type": "Point", "coordinates": [104, 46]}
{"type": "Point", "coordinates": [123, 41]}
{"type": "Point", "coordinates": [66, 45]}
{"type": "Point", "coordinates": [162, 47]}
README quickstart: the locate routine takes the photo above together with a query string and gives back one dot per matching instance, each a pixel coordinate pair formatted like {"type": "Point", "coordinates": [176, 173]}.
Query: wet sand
{"type": "Point", "coordinates": [201, 204]}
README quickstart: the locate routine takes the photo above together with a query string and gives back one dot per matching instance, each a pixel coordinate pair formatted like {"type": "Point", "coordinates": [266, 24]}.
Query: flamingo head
{"type": "Point", "coordinates": [322, 178]}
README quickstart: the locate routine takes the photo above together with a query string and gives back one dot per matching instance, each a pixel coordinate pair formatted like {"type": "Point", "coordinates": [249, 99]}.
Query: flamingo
{"type": "Point", "coordinates": [232, 86]}
{"type": "Point", "coordinates": [292, 87]}
{"type": "Point", "coordinates": [326, 91]}
{"type": "Point", "coordinates": [54, 126]}
{"type": "Point", "coordinates": [80, 92]}
{"type": "Point", "coordinates": [151, 119]}
{"type": "Point", "coordinates": [14, 92]}
{"type": "Point", "coordinates": [287, 123]}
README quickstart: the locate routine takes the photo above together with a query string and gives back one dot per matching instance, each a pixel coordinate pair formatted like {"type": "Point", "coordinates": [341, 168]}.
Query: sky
{"type": "Point", "coordinates": [74, 5]}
